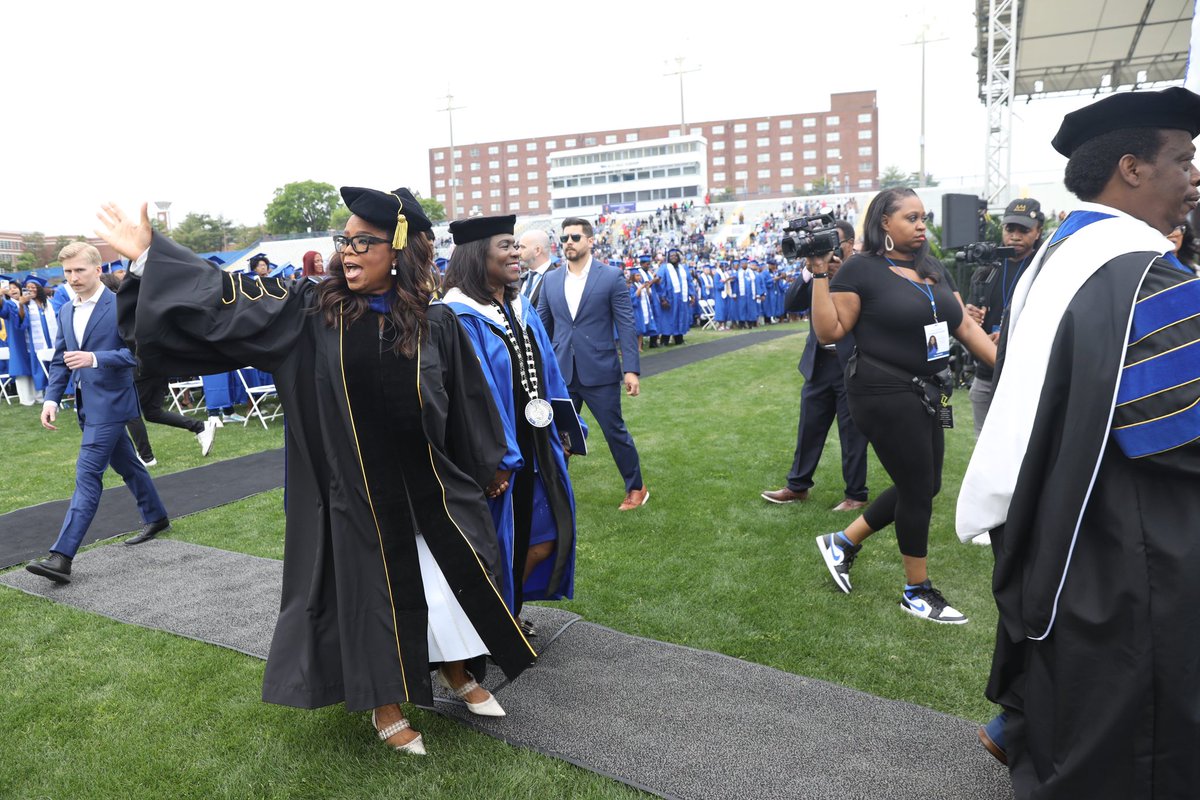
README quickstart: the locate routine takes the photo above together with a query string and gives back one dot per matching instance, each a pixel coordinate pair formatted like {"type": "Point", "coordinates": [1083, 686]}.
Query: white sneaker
{"type": "Point", "coordinates": [205, 437]}
{"type": "Point", "coordinates": [152, 462]}
{"type": "Point", "coordinates": [926, 602]}
{"type": "Point", "coordinates": [233, 418]}
{"type": "Point", "coordinates": [983, 540]}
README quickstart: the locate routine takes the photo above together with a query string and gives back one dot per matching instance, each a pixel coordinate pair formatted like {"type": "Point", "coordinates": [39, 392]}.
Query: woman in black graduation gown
{"type": "Point", "coordinates": [390, 558]}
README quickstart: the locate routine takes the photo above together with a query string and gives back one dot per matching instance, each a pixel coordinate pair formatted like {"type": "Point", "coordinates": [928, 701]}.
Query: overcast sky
{"type": "Point", "coordinates": [214, 105]}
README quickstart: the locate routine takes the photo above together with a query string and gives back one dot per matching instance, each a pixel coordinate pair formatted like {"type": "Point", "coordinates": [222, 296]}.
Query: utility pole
{"type": "Point", "coordinates": [680, 71]}
{"type": "Point", "coordinates": [449, 110]}
{"type": "Point", "coordinates": [923, 40]}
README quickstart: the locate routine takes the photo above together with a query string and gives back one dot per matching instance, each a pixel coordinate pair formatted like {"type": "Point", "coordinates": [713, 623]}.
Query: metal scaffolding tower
{"type": "Point", "coordinates": [998, 96]}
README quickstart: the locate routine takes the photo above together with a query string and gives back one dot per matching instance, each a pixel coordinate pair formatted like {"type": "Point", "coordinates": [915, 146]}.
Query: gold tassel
{"type": "Point", "coordinates": [400, 239]}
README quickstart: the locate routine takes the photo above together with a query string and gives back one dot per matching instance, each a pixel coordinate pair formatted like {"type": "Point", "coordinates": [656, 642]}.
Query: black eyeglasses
{"type": "Point", "coordinates": [574, 237]}
{"type": "Point", "coordinates": [359, 244]}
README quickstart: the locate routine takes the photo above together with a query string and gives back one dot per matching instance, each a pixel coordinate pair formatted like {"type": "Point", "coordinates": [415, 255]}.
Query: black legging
{"type": "Point", "coordinates": [910, 445]}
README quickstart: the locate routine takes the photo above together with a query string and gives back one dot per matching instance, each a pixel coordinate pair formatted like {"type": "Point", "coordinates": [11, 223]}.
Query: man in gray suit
{"type": "Point", "coordinates": [580, 307]}
{"type": "Point", "coordinates": [534, 248]}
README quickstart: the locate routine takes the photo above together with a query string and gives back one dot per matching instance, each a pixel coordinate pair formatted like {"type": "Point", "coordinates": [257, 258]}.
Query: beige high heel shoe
{"type": "Point", "coordinates": [488, 708]}
{"type": "Point", "coordinates": [416, 746]}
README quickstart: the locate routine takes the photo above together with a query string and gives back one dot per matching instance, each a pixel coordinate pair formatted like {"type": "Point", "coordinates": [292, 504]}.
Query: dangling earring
{"type": "Point", "coordinates": [888, 245]}
{"type": "Point", "coordinates": [393, 266]}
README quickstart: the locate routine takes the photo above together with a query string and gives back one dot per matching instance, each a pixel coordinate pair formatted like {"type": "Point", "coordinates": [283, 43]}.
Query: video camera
{"type": "Point", "coordinates": [988, 256]}
{"type": "Point", "coordinates": [984, 253]}
{"type": "Point", "coordinates": [810, 236]}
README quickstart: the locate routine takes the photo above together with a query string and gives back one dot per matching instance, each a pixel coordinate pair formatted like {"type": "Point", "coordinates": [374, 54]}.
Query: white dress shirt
{"type": "Point", "coordinates": [533, 279]}
{"type": "Point", "coordinates": [83, 313]}
{"type": "Point", "coordinates": [573, 286]}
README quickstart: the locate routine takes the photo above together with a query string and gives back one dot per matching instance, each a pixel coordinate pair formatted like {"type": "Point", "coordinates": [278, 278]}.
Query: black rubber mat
{"type": "Point", "coordinates": [28, 532]}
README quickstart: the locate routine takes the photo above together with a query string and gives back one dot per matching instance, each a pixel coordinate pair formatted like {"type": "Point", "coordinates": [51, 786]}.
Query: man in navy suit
{"type": "Point", "coordinates": [821, 399]}
{"type": "Point", "coordinates": [89, 347]}
{"type": "Point", "coordinates": [582, 307]}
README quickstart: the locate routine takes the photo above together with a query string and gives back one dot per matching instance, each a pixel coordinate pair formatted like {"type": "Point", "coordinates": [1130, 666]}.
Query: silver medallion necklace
{"type": "Point", "coordinates": [538, 412]}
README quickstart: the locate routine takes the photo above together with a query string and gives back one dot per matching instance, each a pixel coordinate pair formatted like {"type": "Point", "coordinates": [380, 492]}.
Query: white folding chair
{"type": "Point", "coordinates": [45, 356]}
{"type": "Point", "coordinates": [708, 314]}
{"type": "Point", "coordinates": [5, 379]}
{"type": "Point", "coordinates": [178, 388]}
{"type": "Point", "coordinates": [256, 397]}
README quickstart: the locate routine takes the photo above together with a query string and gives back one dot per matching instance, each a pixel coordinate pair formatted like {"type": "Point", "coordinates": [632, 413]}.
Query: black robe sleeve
{"type": "Point", "coordinates": [474, 435]}
{"type": "Point", "coordinates": [189, 317]}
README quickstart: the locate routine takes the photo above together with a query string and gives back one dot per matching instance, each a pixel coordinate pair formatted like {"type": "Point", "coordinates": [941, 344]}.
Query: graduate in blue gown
{"type": "Point", "coordinates": [641, 296]}
{"type": "Point", "coordinates": [664, 296]}
{"type": "Point", "coordinates": [40, 324]}
{"type": "Point", "coordinates": [747, 300]}
{"type": "Point", "coordinates": [720, 288]}
{"type": "Point", "coordinates": [534, 511]}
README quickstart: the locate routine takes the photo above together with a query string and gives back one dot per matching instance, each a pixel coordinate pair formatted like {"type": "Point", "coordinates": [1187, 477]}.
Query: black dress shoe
{"type": "Point", "coordinates": [150, 530]}
{"type": "Point", "coordinates": [57, 568]}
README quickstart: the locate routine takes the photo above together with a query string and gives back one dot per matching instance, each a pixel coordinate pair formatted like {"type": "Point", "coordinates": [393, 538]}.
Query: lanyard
{"type": "Point", "coordinates": [1005, 288]}
{"type": "Point", "coordinates": [923, 288]}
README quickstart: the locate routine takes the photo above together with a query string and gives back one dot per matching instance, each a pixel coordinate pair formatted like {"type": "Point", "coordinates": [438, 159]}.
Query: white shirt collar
{"type": "Point", "coordinates": [75, 301]}
{"type": "Point", "coordinates": [485, 310]}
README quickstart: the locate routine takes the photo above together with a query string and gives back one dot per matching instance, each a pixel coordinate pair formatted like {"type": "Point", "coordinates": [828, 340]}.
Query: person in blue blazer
{"type": "Point", "coordinates": [89, 347]}
{"type": "Point", "coordinates": [581, 307]}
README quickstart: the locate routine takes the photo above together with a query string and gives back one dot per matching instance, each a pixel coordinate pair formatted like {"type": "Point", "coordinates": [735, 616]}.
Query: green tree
{"type": "Point", "coordinates": [339, 217]}
{"type": "Point", "coordinates": [823, 186]}
{"type": "Point", "coordinates": [244, 236]}
{"type": "Point", "coordinates": [34, 244]}
{"type": "Point", "coordinates": [433, 209]}
{"type": "Point", "coordinates": [723, 196]}
{"type": "Point", "coordinates": [302, 206]}
{"type": "Point", "coordinates": [892, 177]}
{"type": "Point", "coordinates": [202, 233]}
{"type": "Point", "coordinates": [26, 261]}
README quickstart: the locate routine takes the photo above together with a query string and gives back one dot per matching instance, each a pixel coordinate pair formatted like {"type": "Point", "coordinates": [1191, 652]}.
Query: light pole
{"type": "Point", "coordinates": [450, 109]}
{"type": "Point", "coordinates": [923, 41]}
{"type": "Point", "coordinates": [680, 71]}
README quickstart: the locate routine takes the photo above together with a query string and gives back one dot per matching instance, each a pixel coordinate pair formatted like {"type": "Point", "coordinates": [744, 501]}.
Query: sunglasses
{"type": "Point", "coordinates": [574, 237]}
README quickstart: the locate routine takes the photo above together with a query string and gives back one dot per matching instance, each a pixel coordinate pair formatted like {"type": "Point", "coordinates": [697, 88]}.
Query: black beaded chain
{"type": "Point", "coordinates": [524, 351]}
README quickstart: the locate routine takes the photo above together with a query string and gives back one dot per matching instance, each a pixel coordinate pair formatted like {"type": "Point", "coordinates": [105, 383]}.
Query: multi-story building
{"type": "Point", "coordinates": [12, 245]}
{"type": "Point", "coordinates": [757, 157]}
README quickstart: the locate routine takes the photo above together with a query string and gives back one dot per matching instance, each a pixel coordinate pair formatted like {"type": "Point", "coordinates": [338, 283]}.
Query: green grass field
{"type": "Point", "coordinates": [95, 708]}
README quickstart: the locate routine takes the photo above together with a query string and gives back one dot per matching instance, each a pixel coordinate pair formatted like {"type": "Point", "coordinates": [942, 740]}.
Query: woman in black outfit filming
{"type": "Point", "coordinates": [896, 298]}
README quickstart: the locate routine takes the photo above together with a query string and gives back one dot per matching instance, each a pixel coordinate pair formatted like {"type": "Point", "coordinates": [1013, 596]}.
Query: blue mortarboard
{"type": "Point", "coordinates": [254, 259]}
{"type": "Point", "coordinates": [674, 250]}
{"type": "Point", "coordinates": [441, 263]}
{"type": "Point", "coordinates": [645, 258]}
{"type": "Point", "coordinates": [38, 279]}
{"type": "Point", "coordinates": [284, 271]}
{"type": "Point", "coordinates": [8, 278]}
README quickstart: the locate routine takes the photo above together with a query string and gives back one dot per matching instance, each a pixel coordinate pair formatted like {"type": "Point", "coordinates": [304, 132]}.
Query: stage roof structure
{"type": "Point", "coordinates": [1039, 48]}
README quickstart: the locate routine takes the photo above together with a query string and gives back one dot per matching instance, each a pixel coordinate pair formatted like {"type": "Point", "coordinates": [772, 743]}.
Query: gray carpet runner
{"type": "Point", "coordinates": [671, 720]}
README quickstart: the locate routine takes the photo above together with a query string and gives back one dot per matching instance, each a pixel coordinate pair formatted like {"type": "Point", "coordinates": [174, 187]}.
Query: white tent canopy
{"type": "Point", "coordinates": [1093, 45]}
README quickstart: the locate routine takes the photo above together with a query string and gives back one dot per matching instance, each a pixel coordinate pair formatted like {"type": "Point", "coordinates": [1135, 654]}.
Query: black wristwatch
{"type": "Point", "coordinates": [820, 274]}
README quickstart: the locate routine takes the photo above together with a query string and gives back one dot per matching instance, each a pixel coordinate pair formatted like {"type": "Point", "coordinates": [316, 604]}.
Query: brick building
{"type": "Point", "coordinates": [12, 244]}
{"type": "Point", "coordinates": [751, 158]}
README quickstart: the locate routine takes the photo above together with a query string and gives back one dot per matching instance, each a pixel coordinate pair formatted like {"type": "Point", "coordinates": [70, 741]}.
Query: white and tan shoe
{"type": "Point", "coordinates": [415, 746]}
{"type": "Point", "coordinates": [488, 708]}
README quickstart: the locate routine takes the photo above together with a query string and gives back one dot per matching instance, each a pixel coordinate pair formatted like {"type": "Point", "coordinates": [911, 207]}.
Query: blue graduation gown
{"type": "Point", "coordinates": [663, 293]}
{"type": "Point", "coordinates": [482, 330]}
{"type": "Point", "coordinates": [18, 353]}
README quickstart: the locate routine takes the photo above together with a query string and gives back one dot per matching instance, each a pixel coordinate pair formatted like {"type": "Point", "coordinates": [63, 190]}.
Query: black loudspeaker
{"type": "Point", "coordinates": [962, 220]}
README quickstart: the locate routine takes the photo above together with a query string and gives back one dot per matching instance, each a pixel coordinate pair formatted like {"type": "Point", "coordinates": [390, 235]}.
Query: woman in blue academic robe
{"type": "Point", "coordinates": [40, 324]}
{"type": "Point", "coordinates": [533, 505]}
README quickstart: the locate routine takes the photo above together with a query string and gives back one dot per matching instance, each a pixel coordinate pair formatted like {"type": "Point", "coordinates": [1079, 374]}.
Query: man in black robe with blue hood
{"type": "Point", "coordinates": [1085, 472]}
